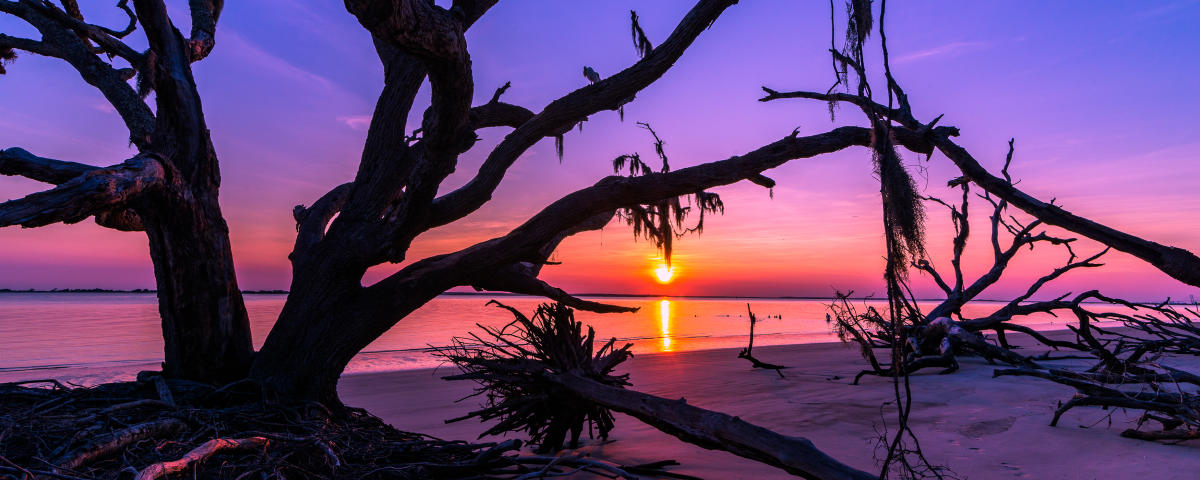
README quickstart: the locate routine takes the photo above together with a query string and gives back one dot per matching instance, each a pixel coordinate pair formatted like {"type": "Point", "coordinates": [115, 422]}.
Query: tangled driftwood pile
{"type": "Point", "coordinates": [157, 428]}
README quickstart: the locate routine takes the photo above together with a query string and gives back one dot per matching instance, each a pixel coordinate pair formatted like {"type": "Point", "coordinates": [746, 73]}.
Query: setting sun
{"type": "Point", "coordinates": [664, 274]}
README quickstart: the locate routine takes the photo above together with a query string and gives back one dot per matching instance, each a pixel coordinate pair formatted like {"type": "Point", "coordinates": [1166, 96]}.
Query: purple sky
{"type": "Point", "coordinates": [1102, 103]}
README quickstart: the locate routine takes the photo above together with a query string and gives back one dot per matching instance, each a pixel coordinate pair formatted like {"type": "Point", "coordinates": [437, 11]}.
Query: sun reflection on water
{"type": "Point", "coordinates": [664, 315]}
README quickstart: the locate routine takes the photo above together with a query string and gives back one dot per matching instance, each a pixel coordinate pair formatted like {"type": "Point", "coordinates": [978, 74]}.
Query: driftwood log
{"type": "Point", "coordinates": [540, 375]}
{"type": "Point", "coordinates": [1161, 394]}
{"type": "Point", "coordinates": [200, 454]}
{"type": "Point", "coordinates": [933, 339]}
{"type": "Point", "coordinates": [712, 430]}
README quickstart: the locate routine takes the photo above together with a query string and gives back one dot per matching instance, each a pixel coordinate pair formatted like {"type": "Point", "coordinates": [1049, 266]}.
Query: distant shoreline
{"type": "Point", "coordinates": [506, 294]}
{"type": "Point", "coordinates": [136, 290]}
{"type": "Point", "coordinates": [464, 294]}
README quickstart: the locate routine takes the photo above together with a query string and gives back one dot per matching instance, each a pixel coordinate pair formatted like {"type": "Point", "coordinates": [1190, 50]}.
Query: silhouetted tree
{"type": "Point", "coordinates": [169, 189]}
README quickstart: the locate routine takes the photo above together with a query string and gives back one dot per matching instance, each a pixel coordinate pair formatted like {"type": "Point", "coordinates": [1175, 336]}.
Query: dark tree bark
{"type": "Point", "coordinates": [330, 315]}
{"type": "Point", "coordinates": [169, 190]}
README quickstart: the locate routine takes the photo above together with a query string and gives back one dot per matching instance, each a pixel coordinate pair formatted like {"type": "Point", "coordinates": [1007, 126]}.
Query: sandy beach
{"type": "Point", "coordinates": [981, 427]}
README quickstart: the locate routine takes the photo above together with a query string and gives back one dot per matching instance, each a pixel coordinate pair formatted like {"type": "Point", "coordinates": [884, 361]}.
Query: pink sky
{"type": "Point", "coordinates": [1102, 103]}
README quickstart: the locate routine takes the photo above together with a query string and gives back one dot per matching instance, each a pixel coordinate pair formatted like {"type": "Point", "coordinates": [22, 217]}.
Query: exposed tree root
{"type": "Point", "coordinates": [200, 454]}
{"type": "Point", "coordinates": [112, 430]}
{"type": "Point", "coordinates": [109, 445]}
{"type": "Point", "coordinates": [543, 378]}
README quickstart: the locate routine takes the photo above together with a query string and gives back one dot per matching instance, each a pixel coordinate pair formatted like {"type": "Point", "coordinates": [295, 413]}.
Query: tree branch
{"type": "Point", "coordinates": [1176, 262]}
{"type": "Point", "coordinates": [312, 221]}
{"type": "Point", "coordinates": [92, 193]}
{"type": "Point", "coordinates": [607, 94]}
{"type": "Point", "coordinates": [714, 430]}
{"type": "Point", "coordinates": [18, 161]}
{"type": "Point", "coordinates": [468, 11]}
{"type": "Point", "coordinates": [204, 26]}
{"type": "Point", "coordinates": [415, 26]}
{"type": "Point", "coordinates": [499, 114]}
{"type": "Point", "coordinates": [107, 39]}
{"type": "Point", "coordinates": [525, 243]}
{"type": "Point", "coordinates": [29, 45]}
{"type": "Point", "coordinates": [200, 454]}
{"type": "Point", "coordinates": [389, 164]}
{"type": "Point", "coordinates": [381, 305]}
{"type": "Point", "coordinates": [61, 38]}
{"type": "Point", "coordinates": [436, 36]}
{"type": "Point", "coordinates": [519, 278]}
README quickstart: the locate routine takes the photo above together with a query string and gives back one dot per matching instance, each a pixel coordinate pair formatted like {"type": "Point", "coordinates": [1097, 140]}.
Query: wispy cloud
{"type": "Point", "coordinates": [104, 107]}
{"type": "Point", "coordinates": [356, 122]}
{"type": "Point", "coordinates": [949, 49]}
{"type": "Point", "coordinates": [266, 61]}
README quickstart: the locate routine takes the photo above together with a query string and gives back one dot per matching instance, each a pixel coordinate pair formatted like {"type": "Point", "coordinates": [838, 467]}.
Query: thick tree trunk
{"type": "Point", "coordinates": [309, 346]}
{"type": "Point", "coordinates": [327, 319]}
{"type": "Point", "coordinates": [205, 326]}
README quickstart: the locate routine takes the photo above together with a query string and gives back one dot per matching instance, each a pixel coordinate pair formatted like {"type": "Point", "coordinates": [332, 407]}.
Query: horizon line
{"type": "Point", "coordinates": [1192, 301]}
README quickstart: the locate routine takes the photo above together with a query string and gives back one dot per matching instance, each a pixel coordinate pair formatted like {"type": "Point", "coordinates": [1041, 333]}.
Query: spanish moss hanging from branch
{"type": "Point", "coordinates": [640, 42]}
{"type": "Point", "coordinates": [664, 221]}
{"type": "Point", "coordinates": [7, 54]}
{"type": "Point", "coordinates": [858, 28]}
{"type": "Point", "coordinates": [904, 213]}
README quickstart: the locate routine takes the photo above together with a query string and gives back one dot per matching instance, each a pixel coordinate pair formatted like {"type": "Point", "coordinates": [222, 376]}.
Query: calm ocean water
{"type": "Point", "coordinates": [97, 337]}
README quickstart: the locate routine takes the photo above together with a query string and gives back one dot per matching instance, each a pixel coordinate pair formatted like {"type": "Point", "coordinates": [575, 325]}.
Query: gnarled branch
{"type": "Point", "coordinates": [565, 112]}
{"type": "Point", "coordinates": [66, 37]}
{"type": "Point", "coordinates": [28, 45]}
{"type": "Point", "coordinates": [204, 26]}
{"type": "Point", "coordinates": [200, 454]}
{"type": "Point", "coordinates": [312, 221]}
{"type": "Point", "coordinates": [95, 192]}
{"type": "Point", "coordinates": [18, 161]}
{"type": "Point", "coordinates": [1176, 262]}
{"type": "Point", "coordinates": [499, 114]}
{"type": "Point", "coordinates": [526, 241]}
{"type": "Point", "coordinates": [107, 445]}
{"type": "Point", "coordinates": [519, 278]}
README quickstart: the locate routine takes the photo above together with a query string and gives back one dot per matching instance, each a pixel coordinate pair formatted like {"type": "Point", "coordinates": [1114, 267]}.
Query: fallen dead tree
{"type": "Point", "coordinates": [935, 338]}
{"type": "Point", "coordinates": [1166, 395]}
{"type": "Point", "coordinates": [541, 375]}
{"type": "Point", "coordinates": [1127, 339]}
{"type": "Point", "coordinates": [1127, 342]}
